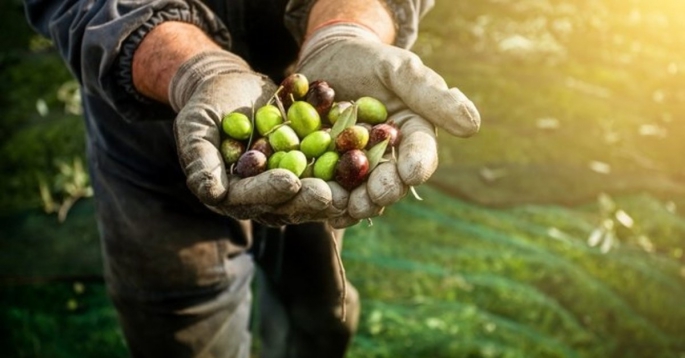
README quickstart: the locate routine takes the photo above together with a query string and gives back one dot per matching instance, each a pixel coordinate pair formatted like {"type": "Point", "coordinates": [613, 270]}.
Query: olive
{"type": "Point", "coordinates": [320, 96]}
{"type": "Point", "coordinates": [371, 110]}
{"type": "Point", "coordinates": [303, 118]}
{"type": "Point", "coordinates": [231, 150]}
{"type": "Point", "coordinates": [355, 137]}
{"type": "Point", "coordinates": [352, 169]}
{"type": "Point", "coordinates": [383, 131]}
{"type": "Point", "coordinates": [251, 163]}
{"type": "Point", "coordinates": [294, 161]}
{"type": "Point", "coordinates": [315, 143]}
{"type": "Point", "coordinates": [266, 118]}
{"type": "Point", "coordinates": [284, 138]}
{"type": "Point", "coordinates": [294, 87]}
{"type": "Point", "coordinates": [237, 125]}
{"type": "Point", "coordinates": [324, 167]}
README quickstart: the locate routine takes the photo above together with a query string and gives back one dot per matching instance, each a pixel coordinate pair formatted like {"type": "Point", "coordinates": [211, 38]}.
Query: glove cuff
{"type": "Point", "coordinates": [332, 33]}
{"type": "Point", "coordinates": [198, 69]}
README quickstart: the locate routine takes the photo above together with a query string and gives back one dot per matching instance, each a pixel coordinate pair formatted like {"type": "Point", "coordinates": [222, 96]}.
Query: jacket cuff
{"type": "Point", "coordinates": [406, 15]}
{"type": "Point", "coordinates": [136, 107]}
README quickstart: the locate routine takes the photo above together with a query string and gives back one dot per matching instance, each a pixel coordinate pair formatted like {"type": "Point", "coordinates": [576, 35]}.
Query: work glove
{"type": "Point", "coordinates": [356, 63]}
{"type": "Point", "coordinates": [205, 89]}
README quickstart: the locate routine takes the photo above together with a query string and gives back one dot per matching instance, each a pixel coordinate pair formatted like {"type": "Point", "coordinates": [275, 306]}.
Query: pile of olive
{"type": "Point", "coordinates": [302, 129]}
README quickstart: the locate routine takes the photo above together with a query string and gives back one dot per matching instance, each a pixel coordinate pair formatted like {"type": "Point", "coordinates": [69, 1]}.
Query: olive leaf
{"type": "Point", "coordinates": [347, 119]}
{"type": "Point", "coordinates": [375, 154]}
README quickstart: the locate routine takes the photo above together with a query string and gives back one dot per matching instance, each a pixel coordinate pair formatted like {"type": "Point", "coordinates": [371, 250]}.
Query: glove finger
{"type": "Point", "coordinates": [343, 221]}
{"type": "Point", "coordinates": [313, 198]}
{"type": "Point", "coordinates": [310, 204]}
{"type": "Point", "coordinates": [271, 187]}
{"type": "Point", "coordinates": [197, 138]}
{"type": "Point", "coordinates": [418, 148]}
{"type": "Point", "coordinates": [340, 200]}
{"type": "Point", "coordinates": [197, 129]}
{"type": "Point", "coordinates": [426, 93]}
{"type": "Point", "coordinates": [360, 205]}
{"type": "Point", "coordinates": [385, 186]}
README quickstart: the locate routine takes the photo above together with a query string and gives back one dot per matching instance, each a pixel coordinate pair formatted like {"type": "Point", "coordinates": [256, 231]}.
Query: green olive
{"type": "Point", "coordinates": [284, 139]}
{"type": "Point", "coordinates": [275, 159]}
{"type": "Point", "coordinates": [371, 110]}
{"type": "Point", "coordinates": [295, 161]}
{"type": "Point", "coordinates": [315, 144]}
{"type": "Point", "coordinates": [336, 110]}
{"type": "Point", "coordinates": [237, 126]}
{"type": "Point", "coordinates": [266, 118]}
{"type": "Point", "coordinates": [324, 167]}
{"type": "Point", "coordinates": [303, 118]}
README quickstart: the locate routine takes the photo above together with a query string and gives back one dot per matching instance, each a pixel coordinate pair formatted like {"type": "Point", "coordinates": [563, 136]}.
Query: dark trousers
{"type": "Point", "coordinates": [182, 281]}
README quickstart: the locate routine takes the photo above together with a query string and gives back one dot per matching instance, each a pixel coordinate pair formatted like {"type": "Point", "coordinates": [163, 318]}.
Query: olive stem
{"type": "Point", "coordinates": [275, 128]}
{"type": "Point", "coordinates": [276, 98]}
{"type": "Point", "coordinates": [413, 191]}
{"type": "Point", "coordinates": [249, 141]}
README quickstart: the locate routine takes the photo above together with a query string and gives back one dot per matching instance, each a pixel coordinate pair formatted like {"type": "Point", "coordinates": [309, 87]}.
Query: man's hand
{"type": "Point", "coordinates": [358, 62]}
{"type": "Point", "coordinates": [203, 88]}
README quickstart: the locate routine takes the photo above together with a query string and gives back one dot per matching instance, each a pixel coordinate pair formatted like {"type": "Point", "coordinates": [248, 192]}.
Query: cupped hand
{"type": "Point", "coordinates": [205, 89]}
{"type": "Point", "coordinates": [356, 63]}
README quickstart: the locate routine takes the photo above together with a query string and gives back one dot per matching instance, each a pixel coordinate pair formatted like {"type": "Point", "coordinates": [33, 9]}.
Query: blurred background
{"type": "Point", "coordinates": [557, 231]}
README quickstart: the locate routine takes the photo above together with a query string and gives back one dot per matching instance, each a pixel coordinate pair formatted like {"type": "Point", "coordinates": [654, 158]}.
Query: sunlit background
{"type": "Point", "coordinates": [562, 233]}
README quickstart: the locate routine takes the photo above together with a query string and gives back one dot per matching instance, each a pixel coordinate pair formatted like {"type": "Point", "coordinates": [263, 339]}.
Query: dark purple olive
{"type": "Point", "coordinates": [320, 96]}
{"type": "Point", "coordinates": [352, 169]}
{"type": "Point", "coordinates": [383, 131]}
{"type": "Point", "coordinates": [262, 145]}
{"type": "Point", "coordinates": [251, 163]}
{"type": "Point", "coordinates": [355, 137]}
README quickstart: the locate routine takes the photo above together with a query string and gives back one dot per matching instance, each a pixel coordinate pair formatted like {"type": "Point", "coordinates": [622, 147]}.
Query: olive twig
{"type": "Point", "coordinates": [275, 95]}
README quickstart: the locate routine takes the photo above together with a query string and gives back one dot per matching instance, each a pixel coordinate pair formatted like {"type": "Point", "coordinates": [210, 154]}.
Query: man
{"type": "Point", "coordinates": [157, 77]}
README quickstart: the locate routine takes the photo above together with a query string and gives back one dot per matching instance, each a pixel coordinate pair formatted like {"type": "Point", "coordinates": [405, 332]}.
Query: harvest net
{"type": "Point", "coordinates": [438, 278]}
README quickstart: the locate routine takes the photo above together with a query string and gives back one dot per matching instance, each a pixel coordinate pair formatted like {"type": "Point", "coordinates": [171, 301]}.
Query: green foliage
{"type": "Point", "coordinates": [35, 152]}
{"type": "Point", "coordinates": [59, 321]}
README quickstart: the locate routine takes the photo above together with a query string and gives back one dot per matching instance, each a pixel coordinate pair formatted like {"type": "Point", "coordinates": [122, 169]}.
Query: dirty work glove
{"type": "Point", "coordinates": [356, 63]}
{"type": "Point", "coordinates": [205, 89]}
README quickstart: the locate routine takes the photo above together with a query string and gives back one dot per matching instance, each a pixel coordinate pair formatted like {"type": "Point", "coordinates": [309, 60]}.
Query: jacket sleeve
{"type": "Point", "coordinates": [97, 40]}
{"type": "Point", "coordinates": [406, 13]}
